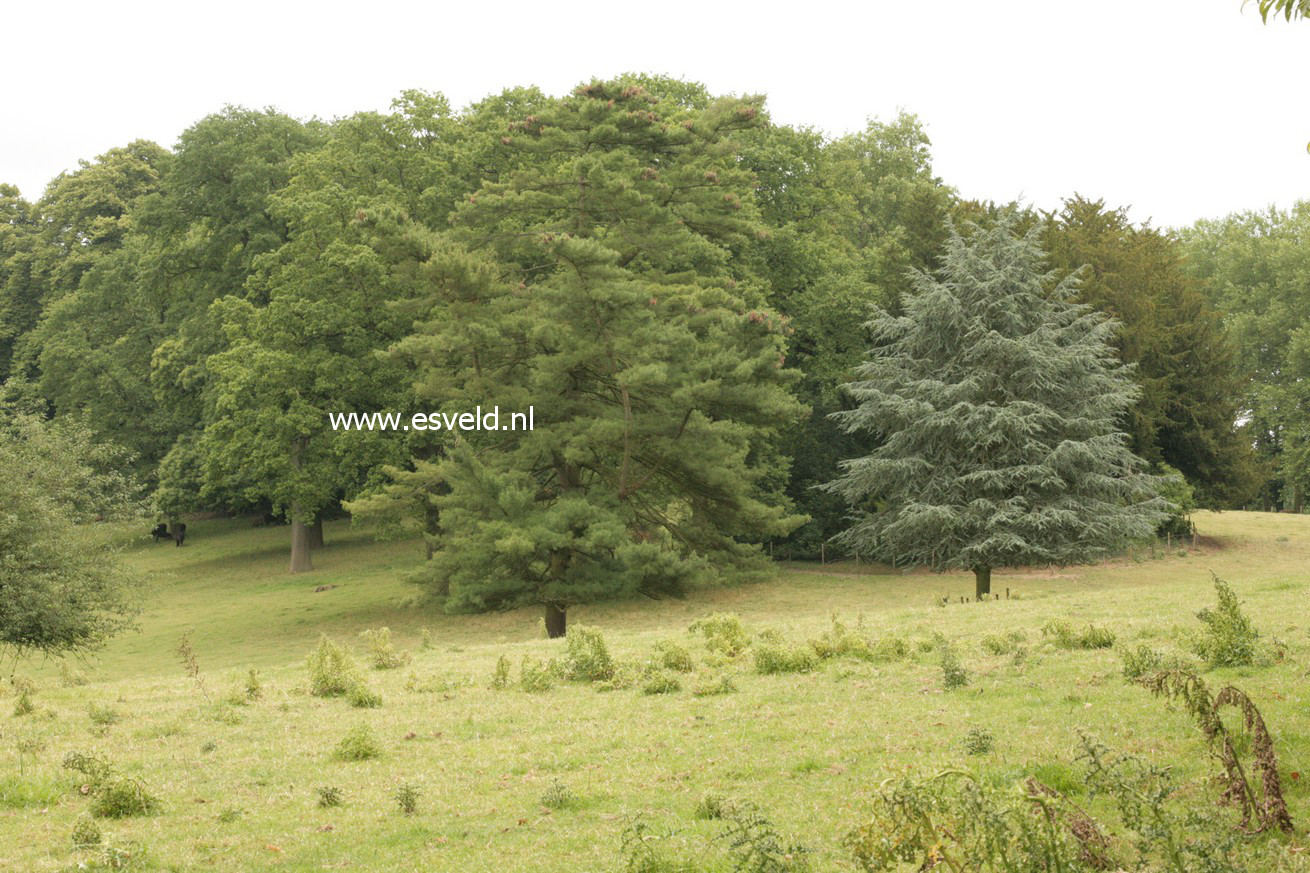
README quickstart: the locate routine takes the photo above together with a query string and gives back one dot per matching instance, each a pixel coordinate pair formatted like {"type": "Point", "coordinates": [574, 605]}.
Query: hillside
{"type": "Point", "coordinates": [514, 780]}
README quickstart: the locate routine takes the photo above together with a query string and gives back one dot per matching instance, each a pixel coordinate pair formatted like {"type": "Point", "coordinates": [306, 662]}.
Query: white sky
{"type": "Point", "coordinates": [1181, 108]}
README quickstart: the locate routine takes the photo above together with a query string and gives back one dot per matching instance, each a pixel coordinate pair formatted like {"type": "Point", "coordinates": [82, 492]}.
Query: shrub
{"type": "Point", "coordinates": [1141, 661]}
{"type": "Point", "coordinates": [425, 641]}
{"type": "Point", "coordinates": [890, 648]}
{"type": "Point", "coordinates": [979, 741]}
{"type": "Point", "coordinates": [1003, 644]}
{"type": "Point", "coordinates": [536, 675]}
{"type": "Point", "coordinates": [359, 744]}
{"type": "Point", "coordinates": [713, 684]}
{"type": "Point", "coordinates": [1063, 636]}
{"type": "Point", "coordinates": [840, 641]}
{"type": "Point", "coordinates": [122, 796]}
{"type": "Point", "coordinates": [71, 677]}
{"type": "Point", "coordinates": [661, 682]}
{"type": "Point", "coordinates": [712, 807]}
{"type": "Point", "coordinates": [407, 797]}
{"type": "Point", "coordinates": [24, 689]}
{"type": "Point", "coordinates": [86, 833]}
{"type": "Point", "coordinates": [771, 658]}
{"type": "Point", "coordinates": [500, 678]}
{"type": "Point", "coordinates": [953, 674]}
{"type": "Point", "coordinates": [251, 688]}
{"type": "Point", "coordinates": [332, 672]}
{"type": "Point", "coordinates": [723, 632]}
{"type": "Point", "coordinates": [559, 796]}
{"type": "Point", "coordinates": [103, 716]}
{"type": "Point", "coordinates": [587, 658]}
{"type": "Point", "coordinates": [382, 654]}
{"type": "Point", "coordinates": [1228, 639]}
{"type": "Point", "coordinates": [673, 656]}
{"type": "Point", "coordinates": [329, 796]}
{"type": "Point", "coordinates": [755, 846]}
{"type": "Point", "coordinates": [363, 697]}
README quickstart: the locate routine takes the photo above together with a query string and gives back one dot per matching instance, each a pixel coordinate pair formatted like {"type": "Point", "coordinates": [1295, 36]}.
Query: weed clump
{"type": "Point", "coordinates": [500, 678]}
{"type": "Point", "coordinates": [953, 673]}
{"type": "Point", "coordinates": [122, 796]}
{"type": "Point", "coordinates": [1063, 636]}
{"type": "Point", "coordinates": [673, 656]}
{"type": "Point", "coordinates": [102, 716]}
{"type": "Point", "coordinates": [86, 833]}
{"type": "Point", "coordinates": [713, 684]}
{"type": "Point", "coordinates": [1003, 644]}
{"type": "Point", "coordinates": [1142, 660]}
{"type": "Point", "coordinates": [839, 641]}
{"type": "Point", "coordinates": [332, 672]}
{"type": "Point", "coordinates": [407, 797]}
{"type": "Point", "coordinates": [772, 658]}
{"type": "Point", "coordinates": [362, 697]}
{"type": "Point", "coordinates": [712, 807]}
{"type": "Point", "coordinates": [979, 741]}
{"type": "Point", "coordinates": [1229, 639]}
{"type": "Point", "coordinates": [24, 689]}
{"type": "Point", "coordinates": [587, 658]}
{"type": "Point", "coordinates": [359, 744]}
{"type": "Point", "coordinates": [559, 796]}
{"type": "Point", "coordinates": [382, 653]}
{"type": "Point", "coordinates": [114, 795]}
{"type": "Point", "coordinates": [329, 796]}
{"type": "Point", "coordinates": [661, 682]}
{"type": "Point", "coordinates": [536, 675]}
{"type": "Point", "coordinates": [723, 632]}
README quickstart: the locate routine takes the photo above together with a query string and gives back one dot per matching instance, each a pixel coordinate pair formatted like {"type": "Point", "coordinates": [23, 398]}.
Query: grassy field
{"type": "Point", "coordinates": [237, 783]}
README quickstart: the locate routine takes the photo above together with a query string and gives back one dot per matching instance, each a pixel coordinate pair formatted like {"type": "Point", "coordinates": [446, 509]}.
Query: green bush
{"type": "Point", "coordinates": [359, 744]}
{"type": "Point", "coordinates": [382, 653]}
{"type": "Point", "coordinates": [839, 641]}
{"type": "Point", "coordinates": [723, 632]}
{"type": "Point", "coordinates": [500, 678]}
{"type": "Point", "coordinates": [1228, 638]}
{"type": "Point", "coordinates": [712, 807]}
{"type": "Point", "coordinates": [953, 674]}
{"type": "Point", "coordinates": [586, 657]}
{"type": "Point", "coordinates": [713, 684]}
{"type": "Point", "coordinates": [674, 656]}
{"type": "Point", "coordinates": [1063, 636]}
{"type": "Point", "coordinates": [102, 716]}
{"type": "Point", "coordinates": [363, 698]}
{"type": "Point", "coordinates": [1003, 644]}
{"type": "Point", "coordinates": [775, 658]}
{"type": "Point", "coordinates": [979, 741]}
{"type": "Point", "coordinates": [122, 796]}
{"type": "Point", "coordinates": [86, 833]}
{"type": "Point", "coordinates": [536, 675]}
{"type": "Point", "coordinates": [332, 672]}
{"type": "Point", "coordinates": [407, 797]}
{"type": "Point", "coordinates": [329, 796]}
{"type": "Point", "coordinates": [559, 796]}
{"type": "Point", "coordinates": [24, 689]}
{"type": "Point", "coordinates": [661, 682]}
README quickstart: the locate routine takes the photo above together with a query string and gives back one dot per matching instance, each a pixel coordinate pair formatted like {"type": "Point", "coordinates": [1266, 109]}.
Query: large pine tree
{"type": "Point", "coordinates": [611, 308]}
{"type": "Point", "coordinates": [999, 409]}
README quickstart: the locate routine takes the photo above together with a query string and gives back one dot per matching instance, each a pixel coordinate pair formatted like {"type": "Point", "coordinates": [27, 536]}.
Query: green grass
{"type": "Point", "coordinates": [238, 784]}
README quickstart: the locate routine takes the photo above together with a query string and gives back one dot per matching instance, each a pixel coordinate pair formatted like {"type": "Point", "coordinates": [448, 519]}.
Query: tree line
{"type": "Point", "coordinates": [681, 287]}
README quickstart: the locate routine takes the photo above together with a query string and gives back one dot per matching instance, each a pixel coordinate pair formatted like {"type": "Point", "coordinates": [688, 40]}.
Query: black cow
{"type": "Point", "coordinates": [179, 533]}
{"type": "Point", "coordinates": [161, 532]}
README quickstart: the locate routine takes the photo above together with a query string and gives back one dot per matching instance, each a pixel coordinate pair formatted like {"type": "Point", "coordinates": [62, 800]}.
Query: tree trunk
{"type": "Point", "coordinates": [982, 577]}
{"type": "Point", "coordinates": [1298, 500]}
{"type": "Point", "coordinates": [555, 621]}
{"type": "Point", "coordinates": [300, 547]}
{"type": "Point", "coordinates": [316, 534]}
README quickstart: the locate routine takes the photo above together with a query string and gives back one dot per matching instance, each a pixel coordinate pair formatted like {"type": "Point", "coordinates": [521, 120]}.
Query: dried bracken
{"type": "Point", "coordinates": [1264, 804]}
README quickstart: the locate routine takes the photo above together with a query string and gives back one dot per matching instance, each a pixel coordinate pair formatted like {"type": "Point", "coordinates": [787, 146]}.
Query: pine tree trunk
{"type": "Point", "coordinates": [982, 582]}
{"type": "Point", "coordinates": [555, 621]}
{"type": "Point", "coordinates": [1298, 500]}
{"type": "Point", "coordinates": [300, 546]}
{"type": "Point", "coordinates": [316, 534]}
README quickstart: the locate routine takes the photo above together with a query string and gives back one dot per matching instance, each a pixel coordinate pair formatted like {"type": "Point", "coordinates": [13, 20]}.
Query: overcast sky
{"type": "Point", "coordinates": [1180, 108]}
